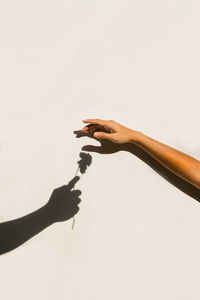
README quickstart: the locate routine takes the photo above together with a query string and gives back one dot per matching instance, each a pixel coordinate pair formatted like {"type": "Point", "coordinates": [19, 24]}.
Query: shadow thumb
{"type": "Point", "coordinates": [91, 148]}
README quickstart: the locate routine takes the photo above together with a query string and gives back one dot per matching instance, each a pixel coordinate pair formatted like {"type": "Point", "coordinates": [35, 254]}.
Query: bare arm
{"type": "Point", "coordinates": [176, 161]}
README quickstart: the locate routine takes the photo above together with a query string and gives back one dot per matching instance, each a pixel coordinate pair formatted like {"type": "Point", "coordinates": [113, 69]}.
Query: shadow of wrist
{"type": "Point", "coordinates": [58, 214]}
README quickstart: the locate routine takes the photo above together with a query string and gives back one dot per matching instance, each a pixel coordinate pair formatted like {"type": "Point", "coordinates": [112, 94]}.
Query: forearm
{"type": "Point", "coordinates": [176, 161]}
{"type": "Point", "coordinates": [15, 232]}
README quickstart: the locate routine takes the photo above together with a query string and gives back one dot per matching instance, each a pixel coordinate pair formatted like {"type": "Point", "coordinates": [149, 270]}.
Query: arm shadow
{"type": "Point", "coordinates": [62, 206]}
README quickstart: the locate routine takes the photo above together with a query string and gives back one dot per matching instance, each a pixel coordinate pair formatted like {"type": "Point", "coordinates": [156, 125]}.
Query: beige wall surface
{"type": "Point", "coordinates": [136, 235]}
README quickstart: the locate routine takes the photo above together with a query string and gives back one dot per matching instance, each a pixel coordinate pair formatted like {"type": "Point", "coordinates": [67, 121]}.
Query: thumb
{"type": "Point", "coordinates": [103, 135]}
{"type": "Point", "coordinates": [92, 148]}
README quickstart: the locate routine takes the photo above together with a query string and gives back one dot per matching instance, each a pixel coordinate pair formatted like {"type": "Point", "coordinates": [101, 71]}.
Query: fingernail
{"type": "Point", "coordinates": [96, 134]}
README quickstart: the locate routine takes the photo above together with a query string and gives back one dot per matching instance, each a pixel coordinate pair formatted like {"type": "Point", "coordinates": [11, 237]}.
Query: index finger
{"type": "Point", "coordinates": [95, 121]}
{"type": "Point", "coordinates": [72, 183]}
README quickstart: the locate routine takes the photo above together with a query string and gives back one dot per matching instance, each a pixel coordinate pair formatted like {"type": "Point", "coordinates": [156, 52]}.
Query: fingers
{"type": "Point", "coordinates": [103, 135]}
{"type": "Point", "coordinates": [78, 201]}
{"type": "Point", "coordinates": [91, 148]}
{"type": "Point", "coordinates": [90, 127]}
{"type": "Point", "coordinates": [95, 121]}
{"type": "Point", "coordinates": [75, 200]}
{"type": "Point", "coordinates": [72, 183]}
{"type": "Point", "coordinates": [75, 197]}
{"type": "Point", "coordinates": [76, 193]}
{"type": "Point", "coordinates": [76, 210]}
{"type": "Point", "coordinates": [79, 133]}
{"type": "Point", "coordinates": [99, 125]}
{"type": "Point", "coordinates": [85, 129]}
{"type": "Point", "coordinates": [84, 133]}
{"type": "Point", "coordinates": [100, 134]}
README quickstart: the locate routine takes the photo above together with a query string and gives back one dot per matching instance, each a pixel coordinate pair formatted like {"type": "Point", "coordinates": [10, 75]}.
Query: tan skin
{"type": "Point", "coordinates": [181, 164]}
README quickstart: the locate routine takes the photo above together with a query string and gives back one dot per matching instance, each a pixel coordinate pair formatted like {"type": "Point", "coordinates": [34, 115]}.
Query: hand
{"type": "Point", "coordinates": [106, 146]}
{"type": "Point", "coordinates": [63, 203]}
{"type": "Point", "coordinates": [110, 130]}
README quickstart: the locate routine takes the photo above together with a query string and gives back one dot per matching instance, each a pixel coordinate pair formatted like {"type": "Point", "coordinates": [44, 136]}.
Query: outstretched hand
{"type": "Point", "coordinates": [63, 203]}
{"type": "Point", "coordinates": [110, 130]}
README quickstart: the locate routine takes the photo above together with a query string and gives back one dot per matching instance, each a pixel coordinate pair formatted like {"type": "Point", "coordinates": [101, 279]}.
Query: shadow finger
{"type": "Point", "coordinates": [76, 193]}
{"type": "Point", "coordinates": [77, 201]}
{"type": "Point", "coordinates": [91, 148]}
{"type": "Point", "coordinates": [72, 183]}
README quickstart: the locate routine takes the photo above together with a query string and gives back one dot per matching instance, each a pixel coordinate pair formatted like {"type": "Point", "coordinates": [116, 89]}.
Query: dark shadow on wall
{"type": "Point", "coordinates": [107, 147]}
{"type": "Point", "coordinates": [62, 206]}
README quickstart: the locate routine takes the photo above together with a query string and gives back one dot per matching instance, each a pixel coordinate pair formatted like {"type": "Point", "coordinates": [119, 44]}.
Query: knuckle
{"type": "Point", "coordinates": [78, 200]}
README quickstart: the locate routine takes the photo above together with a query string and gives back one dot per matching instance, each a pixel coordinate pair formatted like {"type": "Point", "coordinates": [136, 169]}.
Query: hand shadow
{"type": "Point", "coordinates": [62, 205]}
{"type": "Point", "coordinates": [107, 147]}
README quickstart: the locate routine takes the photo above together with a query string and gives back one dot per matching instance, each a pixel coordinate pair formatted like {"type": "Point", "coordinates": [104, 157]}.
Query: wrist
{"type": "Point", "coordinates": [136, 137]}
{"type": "Point", "coordinates": [48, 213]}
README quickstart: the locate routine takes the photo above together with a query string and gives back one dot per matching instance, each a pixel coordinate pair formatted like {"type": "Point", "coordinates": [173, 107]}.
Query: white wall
{"type": "Point", "coordinates": [137, 62]}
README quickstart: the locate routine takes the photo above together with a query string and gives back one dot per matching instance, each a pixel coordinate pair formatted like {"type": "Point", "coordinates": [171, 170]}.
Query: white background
{"type": "Point", "coordinates": [137, 62]}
